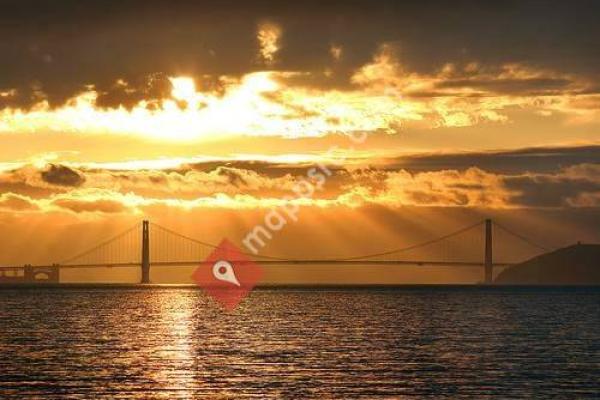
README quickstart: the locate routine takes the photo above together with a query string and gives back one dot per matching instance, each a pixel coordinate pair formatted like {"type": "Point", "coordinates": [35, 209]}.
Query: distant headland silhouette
{"type": "Point", "coordinates": [578, 264]}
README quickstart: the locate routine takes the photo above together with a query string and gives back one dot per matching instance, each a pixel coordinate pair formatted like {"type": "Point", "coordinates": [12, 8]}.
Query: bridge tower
{"type": "Point", "coordinates": [145, 252]}
{"type": "Point", "coordinates": [488, 262]}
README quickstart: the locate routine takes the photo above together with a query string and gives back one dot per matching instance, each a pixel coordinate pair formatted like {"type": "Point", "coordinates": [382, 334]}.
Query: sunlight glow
{"type": "Point", "coordinates": [183, 89]}
{"type": "Point", "coordinates": [384, 97]}
{"type": "Point", "coordinates": [258, 104]}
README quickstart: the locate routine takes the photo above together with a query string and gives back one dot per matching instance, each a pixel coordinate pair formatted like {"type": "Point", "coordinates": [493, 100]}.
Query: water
{"type": "Point", "coordinates": [175, 343]}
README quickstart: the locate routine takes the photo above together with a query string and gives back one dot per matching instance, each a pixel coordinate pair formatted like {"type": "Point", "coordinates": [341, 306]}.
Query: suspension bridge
{"type": "Point", "coordinates": [485, 244]}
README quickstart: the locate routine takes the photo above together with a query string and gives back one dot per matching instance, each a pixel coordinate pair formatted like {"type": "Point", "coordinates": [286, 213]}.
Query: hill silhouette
{"type": "Point", "coordinates": [574, 265]}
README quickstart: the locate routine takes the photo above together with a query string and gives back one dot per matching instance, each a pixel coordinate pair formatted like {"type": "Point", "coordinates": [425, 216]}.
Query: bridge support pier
{"type": "Point", "coordinates": [32, 274]}
{"type": "Point", "coordinates": [488, 261]}
{"type": "Point", "coordinates": [28, 273]}
{"type": "Point", "coordinates": [54, 273]}
{"type": "Point", "coordinates": [145, 252]}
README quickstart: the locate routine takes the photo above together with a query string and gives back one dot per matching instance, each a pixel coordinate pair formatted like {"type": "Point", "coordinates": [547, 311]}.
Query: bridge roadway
{"type": "Point", "coordinates": [287, 262]}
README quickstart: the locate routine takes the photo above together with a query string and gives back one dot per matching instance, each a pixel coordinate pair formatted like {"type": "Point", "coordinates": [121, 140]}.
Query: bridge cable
{"type": "Point", "coordinates": [416, 246]}
{"type": "Point", "coordinates": [106, 242]}
{"type": "Point", "coordinates": [215, 246]}
{"type": "Point", "coordinates": [523, 238]}
{"type": "Point", "coordinates": [412, 247]}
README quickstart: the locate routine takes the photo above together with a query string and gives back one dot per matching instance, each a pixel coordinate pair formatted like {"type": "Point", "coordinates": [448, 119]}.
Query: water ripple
{"type": "Point", "coordinates": [175, 343]}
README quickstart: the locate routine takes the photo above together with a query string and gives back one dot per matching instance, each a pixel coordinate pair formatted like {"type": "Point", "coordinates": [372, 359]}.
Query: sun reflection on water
{"type": "Point", "coordinates": [176, 352]}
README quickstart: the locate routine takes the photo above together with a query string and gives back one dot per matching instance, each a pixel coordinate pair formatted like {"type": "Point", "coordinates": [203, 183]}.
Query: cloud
{"type": "Point", "coordinates": [574, 186]}
{"type": "Point", "coordinates": [336, 52]}
{"type": "Point", "coordinates": [511, 162]}
{"type": "Point", "coordinates": [448, 182]}
{"type": "Point", "coordinates": [115, 41]}
{"type": "Point", "coordinates": [151, 89]}
{"type": "Point", "coordinates": [458, 95]}
{"type": "Point", "coordinates": [16, 203]}
{"type": "Point", "coordinates": [384, 96]}
{"type": "Point", "coordinates": [269, 36]}
{"type": "Point", "coordinates": [62, 175]}
{"type": "Point", "coordinates": [91, 206]}
{"type": "Point", "coordinates": [450, 188]}
{"type": "Point", "coordinates": [262, 102]}
{"type": "Point", "coordinates": [378, 92]}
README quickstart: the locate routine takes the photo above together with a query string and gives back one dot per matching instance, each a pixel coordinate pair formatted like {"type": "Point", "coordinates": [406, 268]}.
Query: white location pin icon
{"type": "Point", "coordinates": [223, 271]}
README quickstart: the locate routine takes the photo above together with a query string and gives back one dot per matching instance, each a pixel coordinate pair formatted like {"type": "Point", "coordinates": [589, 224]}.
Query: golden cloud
{"type": "Point", "coordinates": [187, 188]}
{"type": "Point", "coordinates": [268, 36]}
{"type": "Point", "coordinates": [383, 95]}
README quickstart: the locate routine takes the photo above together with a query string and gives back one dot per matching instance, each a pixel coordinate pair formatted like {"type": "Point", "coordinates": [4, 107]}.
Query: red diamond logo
{"type": "Point", "coordinates": [228, 275]}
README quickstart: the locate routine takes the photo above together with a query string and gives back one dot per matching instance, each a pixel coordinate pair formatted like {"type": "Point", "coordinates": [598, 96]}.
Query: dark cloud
{"type": "Point", "coordinates": [530, 86]}
{"type": "Point", "coordinates": [62, 175]}
{"type": "Point", "coordinates": [57, 48]}
{"type": "Point", "coordinates": [152, 88]}
{"type": "Point", "coordinates": [233, 176]}
{"type": "Point", "coordinates": [270, 169]}
{"type": "Point", "coordinates": [549, 191]}
{"type": "Point", "coordinates": [540, 160]}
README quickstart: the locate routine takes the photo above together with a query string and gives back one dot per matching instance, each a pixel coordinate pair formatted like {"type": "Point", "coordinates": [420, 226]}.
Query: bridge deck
{"type": "Point", "coordinates": [287, 262]}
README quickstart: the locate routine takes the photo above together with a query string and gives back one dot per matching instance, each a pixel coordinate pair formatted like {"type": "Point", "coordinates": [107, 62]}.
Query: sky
{"type": "Point", "coordinates": [380, 123]}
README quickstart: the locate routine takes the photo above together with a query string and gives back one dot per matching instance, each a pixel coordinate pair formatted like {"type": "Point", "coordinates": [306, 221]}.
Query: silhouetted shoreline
{"type": "Point", "coordinates": [573, 265]}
